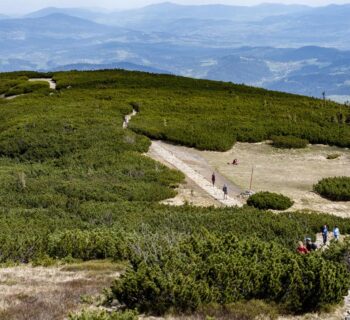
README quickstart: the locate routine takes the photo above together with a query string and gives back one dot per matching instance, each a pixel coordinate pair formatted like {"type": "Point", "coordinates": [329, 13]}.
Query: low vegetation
{"type": "Point", "coordinates": [289, 142]}
{"type": "Point", "coordinates": [103, 315]}
{"type": "Point", "coordinates": [17, 83]}
{"type": "Point", "coordinates": [75, 185]}
{"type": "Point", "coordinates": [335, 189]}
{"type": "Point", "coordinates": [269, 200]}
{"type": "Point", "coordinates": [206, 269]}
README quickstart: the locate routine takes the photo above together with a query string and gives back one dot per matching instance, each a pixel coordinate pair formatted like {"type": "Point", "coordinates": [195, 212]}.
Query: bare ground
{"type": "Point", "coordinates": [51, 293]}
{"type": "Point", "coordinates": [291, 172]}
{"type": "Point", "coordinates": [198, 173]}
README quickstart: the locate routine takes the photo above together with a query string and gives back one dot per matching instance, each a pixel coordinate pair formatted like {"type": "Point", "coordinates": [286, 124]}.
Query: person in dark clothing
{"type": "Point", "coordinates": [225, 190]}
{"type": "Point", "coordinates": [324, 231]}
{"type": "Point", "coordinates": [213, 178]}
{"type": "Point", "coordinates": [311, 246]}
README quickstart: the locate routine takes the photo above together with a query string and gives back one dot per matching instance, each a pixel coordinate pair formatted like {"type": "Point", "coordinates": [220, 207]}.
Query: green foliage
{"type": "Point", "coordinates": [103, 315]}
{"type": "Point", "coordinates": [27, 87]}
{"type": "Point", "coordinates": [17, 83]}
{"type": "Point", "coordinates": [182, 110]}
{"type": "Point", "coordinates": [336, 188]}
{"type": "Point", "coordinates": [87, 245]}
{"type": "Point", "coordinates": [339, 252]}
{"type": "Point", "coordinates": [269, 200]}
{"type": "Point", "coordinates": [205, 269]}
{"type": "Point", "coordinates": [289, 142]}
{"type": "Point", "coordinates": [75, 185]}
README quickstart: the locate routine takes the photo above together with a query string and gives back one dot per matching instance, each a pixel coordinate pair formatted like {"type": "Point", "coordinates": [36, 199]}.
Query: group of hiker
{"type": "Point", "coordinates": [224, 188]}
{"type": "Point", "coordinates": [312, 246]}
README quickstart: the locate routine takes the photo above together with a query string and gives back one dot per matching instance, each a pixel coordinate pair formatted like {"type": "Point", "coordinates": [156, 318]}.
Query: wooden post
{"type": "Point", "coordinates": [251, 179]}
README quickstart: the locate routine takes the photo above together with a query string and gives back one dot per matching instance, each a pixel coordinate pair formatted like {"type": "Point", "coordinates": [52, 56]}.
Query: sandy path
{"type": "Point", "coordinates": [13, 97]}
{"type": "Point", "coordinates": [163, 152]}
{"type": "Point", "coordinates": [50, 81]}
{"type": "Point", "coordinates": [127, 118]}
{"type": "Point", "coordinates": [188, 163]}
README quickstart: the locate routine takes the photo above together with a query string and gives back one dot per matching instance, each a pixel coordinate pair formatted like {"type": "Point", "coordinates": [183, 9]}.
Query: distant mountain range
{"type": "Point", "coordinates": [292, 48]}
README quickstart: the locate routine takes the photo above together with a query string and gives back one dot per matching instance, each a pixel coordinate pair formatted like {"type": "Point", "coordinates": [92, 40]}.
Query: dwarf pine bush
{"type": "Point", "coordinates": [335, 188]}
{"type": "Point", "coordinates": [269, 200]}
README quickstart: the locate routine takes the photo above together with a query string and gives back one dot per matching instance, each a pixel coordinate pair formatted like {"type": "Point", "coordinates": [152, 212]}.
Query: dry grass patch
{"type": "Point", "coordinates": [40, 293]}
{"type": "Point", "coordinates": [290, 172]}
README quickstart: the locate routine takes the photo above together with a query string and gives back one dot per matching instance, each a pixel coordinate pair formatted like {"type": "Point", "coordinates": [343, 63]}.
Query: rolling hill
{"type": "Point", "coordinates": [289, 48]}
{"type": "Point", "coordinates": [77, 186]}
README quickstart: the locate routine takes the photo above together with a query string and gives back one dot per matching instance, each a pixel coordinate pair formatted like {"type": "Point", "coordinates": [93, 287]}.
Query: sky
{"type": "Point", "coordinates": [23, 6]}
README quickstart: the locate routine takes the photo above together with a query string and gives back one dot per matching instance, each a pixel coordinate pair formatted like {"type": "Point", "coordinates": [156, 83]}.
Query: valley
{"type": "Point", "coordinates": [261, 45]}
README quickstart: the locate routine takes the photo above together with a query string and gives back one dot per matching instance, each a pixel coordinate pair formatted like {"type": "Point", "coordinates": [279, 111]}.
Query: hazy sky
{"type": "Point", "coordinates": [20, 6]}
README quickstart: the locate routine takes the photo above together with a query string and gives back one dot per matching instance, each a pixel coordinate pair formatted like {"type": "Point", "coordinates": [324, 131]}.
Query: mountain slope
{"type": "Point", "coordinates": [88, 14]}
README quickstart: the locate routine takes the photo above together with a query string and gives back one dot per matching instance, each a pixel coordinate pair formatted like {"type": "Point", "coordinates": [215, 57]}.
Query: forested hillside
{"type": "Point", "coordinates": [74, 184]}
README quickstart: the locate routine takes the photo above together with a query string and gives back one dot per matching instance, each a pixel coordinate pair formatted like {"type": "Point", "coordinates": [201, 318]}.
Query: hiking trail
{"type": "Point", "coordinates": [50, 81]}
{"type": "Point", "coordinates": [319, 243]}
{"type": "Point", "coordinates": [170, 156]}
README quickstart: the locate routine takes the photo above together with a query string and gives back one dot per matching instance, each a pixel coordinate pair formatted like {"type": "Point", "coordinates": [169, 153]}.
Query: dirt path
{"type": "Point", "coordinates": [13, 97]}
{"type": "Point", "coordinates": [50, 81]}
{"type": "Point", "coordinates": [127, 118]}
{"type": "Point", "coordinates": [163, 151]}
{"type": "Point", "coordinates": [194, 167]}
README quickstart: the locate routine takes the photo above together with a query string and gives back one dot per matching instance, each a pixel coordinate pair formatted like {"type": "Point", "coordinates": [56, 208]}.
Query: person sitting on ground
{"type": "Point", "coordinates": [336, 233]}
{"type": "Point", "coordinates": [311, 246]}
{"type": "Point", "coordinates": [301, 248]}
{"type": "Point", "coordinates": [235, 162]}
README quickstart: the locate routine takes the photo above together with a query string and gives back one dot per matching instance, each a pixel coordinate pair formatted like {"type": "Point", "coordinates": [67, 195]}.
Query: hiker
{"type": "Point", "coordinates": [213, 178]}
{"type": "Point", "coordinates": [324, 231]}
{"type": "Point", "coordinates": [301, 248]}
{"type": "Point", "coordinates": [311, 246]}
{"type": "Point", "coordinates": [224, 189]}
{"type": "Point", "coordinates": [336, 233]}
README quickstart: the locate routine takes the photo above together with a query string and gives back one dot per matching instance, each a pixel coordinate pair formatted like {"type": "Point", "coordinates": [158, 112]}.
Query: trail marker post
{"type": "Point", "coordinates": [251, 179]}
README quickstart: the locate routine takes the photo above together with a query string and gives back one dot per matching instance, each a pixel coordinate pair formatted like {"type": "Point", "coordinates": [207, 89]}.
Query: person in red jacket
{"type": "Point", "coordinates": [301, 248]}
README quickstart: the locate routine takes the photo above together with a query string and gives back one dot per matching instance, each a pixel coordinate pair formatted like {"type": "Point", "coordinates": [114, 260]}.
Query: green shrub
{"type": "Point", "coordinates": [87, 245]}
{"type": "Point", "coordinates": [269, 200]}
{"type": "Point", "coordinates": [336, 188]}
{"type": "Point", "coordinates": [205, 269]}
{"type": "Point", "coordinates": [289, 142]}
{"type": "Point", "coordinates": [75, 185]}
